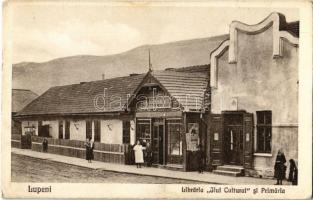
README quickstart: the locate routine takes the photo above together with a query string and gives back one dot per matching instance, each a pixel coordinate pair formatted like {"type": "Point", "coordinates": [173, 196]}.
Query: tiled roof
{"type": "Point", "coordinates": [20, 98]}
{"type": "Point", "coordinates": [181, 83]}
{"type": "Point", "coordinates": [80, 98]}
{"type": "Point", "coordinates": [188, 88]}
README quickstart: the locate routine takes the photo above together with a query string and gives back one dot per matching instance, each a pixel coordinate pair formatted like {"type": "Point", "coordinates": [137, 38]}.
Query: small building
{"type": "Point", "coordinates": [240, 109]}
{"type": "Point", "coordinates": [157, 107]}
{"type": "Point", "coordinates": [20, 98]}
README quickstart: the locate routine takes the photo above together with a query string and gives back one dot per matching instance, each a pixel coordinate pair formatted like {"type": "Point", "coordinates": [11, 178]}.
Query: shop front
{"type": "Point", "coordinates": [165, 135]}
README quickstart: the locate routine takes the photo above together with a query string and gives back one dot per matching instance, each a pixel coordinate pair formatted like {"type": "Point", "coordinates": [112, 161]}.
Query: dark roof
{"type": "Point", "coordinates": [192, 69]}
{"type": "Point", "coordinates": [188, 88]}
{"type": "Point", "coordinates": [20, 98]}
{"type": "Point", "coordinates": [80, 98]}
{"type": "Point", "coordinates": [293, 28]}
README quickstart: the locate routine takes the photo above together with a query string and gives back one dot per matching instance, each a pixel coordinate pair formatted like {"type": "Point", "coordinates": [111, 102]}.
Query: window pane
{"type": "Point", "coordinates": [175, 147]}
{"type": "Point", "coordinates": [260, 142]}
{"type": "Point", "coordinates": [143, 132]}
{"type": "Point", "coordinates": [268, 140]}
{"type": "Point", "coordinates": [268, 118]}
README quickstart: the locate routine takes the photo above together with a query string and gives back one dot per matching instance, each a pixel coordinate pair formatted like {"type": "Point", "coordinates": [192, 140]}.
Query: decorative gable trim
{"type": "Point", "coordinates": [214, 56]}
{"type": "Point", "coordinates": [275, 20]}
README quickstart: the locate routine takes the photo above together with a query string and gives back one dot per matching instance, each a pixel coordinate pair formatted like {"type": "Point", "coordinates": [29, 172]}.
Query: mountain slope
{"type": "Point", "coordinates": [38, 77]}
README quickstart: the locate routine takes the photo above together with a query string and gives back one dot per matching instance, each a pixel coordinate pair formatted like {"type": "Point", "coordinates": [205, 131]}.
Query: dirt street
{"type": "Point", "coordinates": [28, 169]}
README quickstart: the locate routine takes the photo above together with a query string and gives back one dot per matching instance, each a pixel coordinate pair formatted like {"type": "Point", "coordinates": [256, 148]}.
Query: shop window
{"type": "Point", "coordinates": [192, 136]}
{"type": "Point", "coordinates": [126, 132]}
{"type": "Point", "coordinates": [264, 131]}
{"type": "Point", "coordinates": [175, 139]}
{"type": "Point", "coordinates": [67, 129]}
{"type": "Point", "coordinates": [97, 129]}
{"type": "Point", "coordinates": [60, 129]}
{"type": "Point", "coordinates": [88, 129]}
{"type": "Point", "coordinates": [143, 130]}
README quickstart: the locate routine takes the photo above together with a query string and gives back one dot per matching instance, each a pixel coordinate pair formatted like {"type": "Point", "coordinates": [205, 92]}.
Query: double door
{"type": "Point", "coordinates": [231, 138]}
{"type": "Point", "coordinates": [166, 142]}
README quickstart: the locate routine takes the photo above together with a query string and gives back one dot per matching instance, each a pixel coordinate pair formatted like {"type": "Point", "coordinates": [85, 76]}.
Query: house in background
{"type": "Point", "coordinates": [20, 98]}
{"type": "Point", "coordinates": [241, 108]}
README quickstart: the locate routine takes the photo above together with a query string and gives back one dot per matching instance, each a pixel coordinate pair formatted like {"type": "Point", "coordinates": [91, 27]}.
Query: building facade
{"type": "Point", "coordinates": [254, 87]}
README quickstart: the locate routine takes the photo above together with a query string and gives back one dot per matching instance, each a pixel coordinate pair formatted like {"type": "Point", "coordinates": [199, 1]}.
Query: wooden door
{"type": "Point", "coordinates": [216, 138]}
{"type": "Point", "coordinates": [233, 144]}
{"type": "Point", "coordinates": [248, 140]}
{"type": "Point", "coordinates": [155, 144]}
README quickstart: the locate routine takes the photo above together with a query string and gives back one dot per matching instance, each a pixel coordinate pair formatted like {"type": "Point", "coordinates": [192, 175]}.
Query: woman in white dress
{"type": "Point", "coordinates": [138, 148]}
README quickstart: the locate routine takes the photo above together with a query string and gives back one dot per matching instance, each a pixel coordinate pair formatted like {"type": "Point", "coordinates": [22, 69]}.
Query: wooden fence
{"type": "Point", "coordinates": [113, 153]}
{"type": "Point", "coordinates": [16, 140]}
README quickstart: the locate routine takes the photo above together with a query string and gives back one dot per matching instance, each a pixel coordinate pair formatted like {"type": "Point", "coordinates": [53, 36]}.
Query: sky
{"type": "Point", "coordinates": [41, 32]}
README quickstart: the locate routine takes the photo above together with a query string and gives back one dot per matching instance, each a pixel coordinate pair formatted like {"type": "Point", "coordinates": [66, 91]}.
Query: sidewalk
{"type": "Point", "coordinates": [206, 177]}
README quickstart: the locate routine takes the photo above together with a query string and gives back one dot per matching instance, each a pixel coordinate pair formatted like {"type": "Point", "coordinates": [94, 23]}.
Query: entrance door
{"type": "Point", "coordinates": [233, 139]}
{"type": "Point", "coordinates": [158, 142]}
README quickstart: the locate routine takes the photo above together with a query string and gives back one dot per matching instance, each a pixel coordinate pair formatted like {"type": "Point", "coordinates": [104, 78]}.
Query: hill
{"type": "Point", "coordinates": [38, 77]}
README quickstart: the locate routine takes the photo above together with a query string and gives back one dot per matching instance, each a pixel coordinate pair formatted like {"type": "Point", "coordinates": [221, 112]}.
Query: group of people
{"type": "Point", "coordinates": [280, 169]}
{"type": "Point", "coordinates": [143, 153]}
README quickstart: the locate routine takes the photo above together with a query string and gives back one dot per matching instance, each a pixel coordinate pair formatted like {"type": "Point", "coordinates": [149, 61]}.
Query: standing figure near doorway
{"type": "Point", "coordinates": [138, 148]}
{"type": "Point", "coordinates": [148, 156]}
{"type": "Point", "coordinates": [201, 157]}
{"type": "Point", "coordinates": [89, 149]}
{"type": "Point", "coordinates": [280, 167]}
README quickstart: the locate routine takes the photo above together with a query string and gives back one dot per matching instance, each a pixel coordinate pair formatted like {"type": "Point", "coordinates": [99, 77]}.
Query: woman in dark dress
{"type": "Point", "coordinates": [89, 150]}
{"type": "Point", "coordinates": [148, 156]}
{"type": "Point", "coordinates": [293, 172]}
{"type": "Point", "coordinates": [280, 167]}
{"type": "Point", "coordinates": [201, 158]}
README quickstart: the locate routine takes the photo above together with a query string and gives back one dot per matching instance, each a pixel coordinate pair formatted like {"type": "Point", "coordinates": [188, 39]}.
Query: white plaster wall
{"type": "Point", "coordinates": [78, 130]}
{"type": "Point", "coordinates": [29, 123]}
{"type": "Point", "coordinates": [53, 128]}
{"type": "Point", "coordinates": [112, 131]}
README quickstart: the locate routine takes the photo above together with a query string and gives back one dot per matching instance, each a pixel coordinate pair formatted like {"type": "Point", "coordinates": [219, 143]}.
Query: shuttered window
{"type": "Point", "coordinates": [60, 129]}
{"type": "Point", "coordinates": [67, 129]}
{"type": "Point", "coordinates": [126, 132]}
{"type": "Point", "coordinates": [88, 129]}
{"type": "Point", "coordinates": [97, 130]}
{"type": "Point", "coordinates": [264, 131]}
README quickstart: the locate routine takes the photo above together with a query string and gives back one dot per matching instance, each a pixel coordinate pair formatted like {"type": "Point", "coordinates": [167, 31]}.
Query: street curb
{"type": "Point", "coordinates": [111, 170]}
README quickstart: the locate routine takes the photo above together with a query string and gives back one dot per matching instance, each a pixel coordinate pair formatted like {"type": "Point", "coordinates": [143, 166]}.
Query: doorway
{"type": "Point", "coordinates": [233, 138]}
{"type": "Point", "coordinates": [158, 142]}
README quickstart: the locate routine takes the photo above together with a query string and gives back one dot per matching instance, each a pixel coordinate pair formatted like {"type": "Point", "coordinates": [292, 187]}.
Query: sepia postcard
{"type": "Point", "coordinates": [157, 99]}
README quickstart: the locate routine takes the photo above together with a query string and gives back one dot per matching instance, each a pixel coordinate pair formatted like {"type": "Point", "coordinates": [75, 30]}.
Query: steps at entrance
{"type": "Point", "coordinates": [229, 170]}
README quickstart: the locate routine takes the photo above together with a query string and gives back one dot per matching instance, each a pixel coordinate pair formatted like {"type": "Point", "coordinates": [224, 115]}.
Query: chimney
{"type": "Point", "coordinates": [103, 76]}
